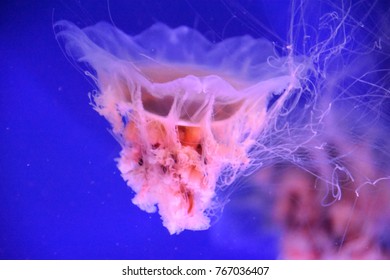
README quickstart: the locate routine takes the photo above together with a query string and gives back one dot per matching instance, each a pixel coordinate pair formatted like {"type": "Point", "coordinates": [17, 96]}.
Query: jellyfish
{"type": "Point", "coordinates": [193, 116]}
{"type": "Point", "coordinates": [187, 112]}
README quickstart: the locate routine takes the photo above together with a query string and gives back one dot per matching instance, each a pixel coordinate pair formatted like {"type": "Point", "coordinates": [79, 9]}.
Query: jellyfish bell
{"type": "Point", "coordinates": [186, 111]}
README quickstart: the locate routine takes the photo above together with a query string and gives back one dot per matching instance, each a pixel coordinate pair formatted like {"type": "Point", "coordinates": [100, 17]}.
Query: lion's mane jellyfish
{"type": "Point", "coordinates": [187, 112]}
{"type": "Point", "coordinates": [312, 109]}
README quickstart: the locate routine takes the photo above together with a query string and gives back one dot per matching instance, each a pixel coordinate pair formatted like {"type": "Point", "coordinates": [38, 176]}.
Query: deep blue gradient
{"type": "Point", "coordinates": [61, 196]}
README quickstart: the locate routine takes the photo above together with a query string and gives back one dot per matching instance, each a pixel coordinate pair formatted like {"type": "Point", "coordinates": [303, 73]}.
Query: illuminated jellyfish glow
{"type": "Point", "coordinates": [192, 116]}
{"type": "Point", "coordinates": [186, 112]}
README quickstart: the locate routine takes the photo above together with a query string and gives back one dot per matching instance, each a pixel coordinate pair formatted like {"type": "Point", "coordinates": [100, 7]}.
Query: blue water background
{"type": "Point", "coordinates": [61, 195]}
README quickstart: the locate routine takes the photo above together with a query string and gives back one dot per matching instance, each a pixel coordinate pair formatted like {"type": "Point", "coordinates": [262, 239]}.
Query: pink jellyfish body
{"type": "Point", "coordinates": [187, 112]}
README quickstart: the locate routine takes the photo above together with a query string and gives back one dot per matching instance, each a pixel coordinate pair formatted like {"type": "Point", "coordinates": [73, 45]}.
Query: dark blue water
{"type": "Point", "coordinates": [61, 195]}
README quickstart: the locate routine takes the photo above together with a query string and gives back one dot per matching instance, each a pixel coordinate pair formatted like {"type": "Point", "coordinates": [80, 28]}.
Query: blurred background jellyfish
{"type": "Point", "coordinates": [326, 155]}
{"type": "Point", "coordinates": [308, 111]}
